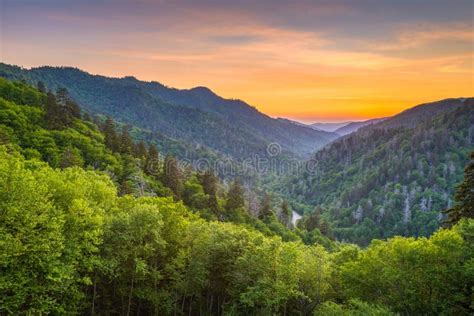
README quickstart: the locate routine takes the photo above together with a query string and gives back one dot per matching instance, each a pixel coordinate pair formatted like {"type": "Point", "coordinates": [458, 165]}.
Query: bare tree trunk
{"type": "Point", "coordinates": [130, 295]}
{"type": "Point", "coordinates": [210, 305]}
{"type": "Point", "coordinates": [93, 294]}
{"type": "Point", "coordinates": [191, 305]}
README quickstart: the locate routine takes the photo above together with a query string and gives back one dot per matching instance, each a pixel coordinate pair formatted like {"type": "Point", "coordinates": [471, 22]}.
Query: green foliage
{"type": "Point", "coordinates": [353, 308]}
{"type": "Point", "coordinates": [391, 178]}
{"type": "Point", "coordinates": [68, 229]}
{"type": "Point", "coordinates": [414, 276]}
{"type": "Point", "coordinates": [464, 207]}
{"type": "Point", "coordinates": [87, 227]}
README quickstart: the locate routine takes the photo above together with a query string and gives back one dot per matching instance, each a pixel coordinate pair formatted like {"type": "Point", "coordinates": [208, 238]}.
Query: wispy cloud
{"type": "Point", "coordinates": [339, 58]}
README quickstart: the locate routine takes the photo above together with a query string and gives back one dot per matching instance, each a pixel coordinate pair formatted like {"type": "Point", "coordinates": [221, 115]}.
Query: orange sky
{"type": "Point", "coordinates": [311, 61]}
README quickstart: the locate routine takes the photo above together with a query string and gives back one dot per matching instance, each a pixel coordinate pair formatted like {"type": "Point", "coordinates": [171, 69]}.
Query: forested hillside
{"type": "Point", "coordinates": [197, 117]}
{"type": "Point", "coordinates": [394, 177]}
{"type": "Point", "coordinates": [93, 223]}
{"type": "Point", "coordinates": [51, 127]}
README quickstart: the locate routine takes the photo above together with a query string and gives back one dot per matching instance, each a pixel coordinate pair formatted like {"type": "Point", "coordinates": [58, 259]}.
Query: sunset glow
{"type": "Point", "coordinates": [311, 61]}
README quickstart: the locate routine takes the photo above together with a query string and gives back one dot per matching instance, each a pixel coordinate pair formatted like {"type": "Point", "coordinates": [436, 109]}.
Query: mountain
{"type": "Point", "coordinates": [282, 119]}
{"type": "Point", "coordinates": [197, 117]}
{"type": "Point", "coordinates": [328, 127]}
{"type": "Point", "coordinates": [354, 126]}
{"type": "Point", "coordinates": [88, 228]}
{"type": "Point", "coordinates": [393, 177]}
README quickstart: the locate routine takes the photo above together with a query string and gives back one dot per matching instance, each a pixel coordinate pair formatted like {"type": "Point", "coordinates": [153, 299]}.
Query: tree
{"type": "Point", "coordinates": [152, 161]}
{"type": "Point", "coordinates": [285, 215]}
{"type": "Point", "coordinates": [464, 207]}
{"type": "Point", "coordinates": [126, 142]}
{"type": "Point", "coordinates": [41, 87]}
{"type": "Point", "coordinates": [313, 220]}
{"type": "Point", "coordinates": [209, 184]}
{"type": "Point", "coordinates": [111, 138]}
{"type": "Point", "coordinates": [52, 112]}
{"type": "Point", "coordinates": [171, 176]}
{"type": "Point", "coordinates": [235, 197]}
{"type": "Point", "coordinates": [140, 150]}
{"type": "Point", "coordinates": [265, 207]}
{"type": "Point", "coordinates": [71, 157]}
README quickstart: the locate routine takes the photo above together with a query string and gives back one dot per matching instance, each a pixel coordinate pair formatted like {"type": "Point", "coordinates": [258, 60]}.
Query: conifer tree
{"type": "Point", "coordinates": [52, 112]}
{"type": "Point", "coordinates": [464, 207]}
{"type": "Point", "coordinates": [265, 207]}
{"type": "Point", "coordinates": [152, 161]}
{"type": "Point", "coordinates": [41, 87]}
{"type": "Point", "coordinates": [235, 197]}
{"type": "Point", "coordinates": [209, 183]}
{"type": "Point", "coordinates": [126, 142]}
{"type": "Point", "coordinates": [285, 215]}
{"type": "Point", "coordinates": [111, 138]}
{"type": "Point", "coordinates": [313, 220]}
{"type": "Point", "coordinates": [140, 150]}
{"type": "Point", "coordinates": [171, 176]}
{"type": "Point", "coordinates": [72, 110]}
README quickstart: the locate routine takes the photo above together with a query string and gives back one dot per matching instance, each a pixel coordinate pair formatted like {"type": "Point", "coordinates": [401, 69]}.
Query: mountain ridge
{"type": "Point", "coordinates": [196, 115]}
{"type": "Point", "coordinates": [394, 177]}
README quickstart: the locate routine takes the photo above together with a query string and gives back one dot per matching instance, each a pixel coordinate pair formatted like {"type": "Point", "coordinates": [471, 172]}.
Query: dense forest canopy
{"type": "Point", "coordinates": [391, 178]}
{"type": "Point", "coordinates": [96, 221]}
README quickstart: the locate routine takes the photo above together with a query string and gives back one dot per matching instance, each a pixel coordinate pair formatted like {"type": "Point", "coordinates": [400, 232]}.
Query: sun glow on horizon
{"type": "Point", "coordinates": [309, 61]}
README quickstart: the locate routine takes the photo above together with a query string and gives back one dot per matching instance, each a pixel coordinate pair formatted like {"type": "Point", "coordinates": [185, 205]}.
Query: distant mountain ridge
{"type": "Point", "coordinates": [354, 126]}
{"type": "Point", "coordinates": [328, 127]}
{"type": "Point", "coordinates": [341, 128]}
{"type": "Point", "coordinates": [196, 116]}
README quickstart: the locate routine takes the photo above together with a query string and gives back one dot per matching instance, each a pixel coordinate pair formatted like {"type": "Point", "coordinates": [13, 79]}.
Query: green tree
{"type": "Point", "coordinates": [171, 176]}
{"type": "Point", "coordinates": [41, 87]}
{"type": "Point", "coordinates": [285, 216]}
{"type": "Point", "coordinates": [209, 184]}
{"type": "Point", "coordinates": [126, 142]}
{"type": "Point", "coordinates": [140, 150]}
{"type": "Point", "coordinates": [235, 197]}
{"type": "Point", "coordinates": [152, 161]}
{"type": "Point", "coordinates": [464, 207]}
{"type": "Point", "coordinates": [111, 137]}
{"type": "Point", "coordinates": [265, 210]}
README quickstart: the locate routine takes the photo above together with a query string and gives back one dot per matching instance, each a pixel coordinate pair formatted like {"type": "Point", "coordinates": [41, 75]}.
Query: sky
{"type": "Point", "coordinates": [312, 61]}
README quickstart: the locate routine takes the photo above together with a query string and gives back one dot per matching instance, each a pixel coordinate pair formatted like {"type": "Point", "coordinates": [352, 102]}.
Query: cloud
{"type": "Point", "coordinates": [411, 36]}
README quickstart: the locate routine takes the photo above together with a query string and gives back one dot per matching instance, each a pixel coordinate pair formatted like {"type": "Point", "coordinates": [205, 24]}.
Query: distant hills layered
{"type": "Point", "coordinates": [196, 117]}
{"type": "Point", "coordinates": [354, 126]}
{"type": "Point", "coordinates": [393, 177]}
{"type": "Point", "coordinates": [328, 127]}
{"type": "Point", "coordinates": [339, 129]}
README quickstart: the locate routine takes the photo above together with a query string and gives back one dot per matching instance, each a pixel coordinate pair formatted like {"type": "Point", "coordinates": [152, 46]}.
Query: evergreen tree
{"type": "Point", "coordinates": [72, 111]}
{"type": "Point", "coordinates": [111, 138]}
{"type": "Point", "coordinates": [464, 207]}
{"type": "Point", "coordinates": [41, 87]}
{"type": "Point", "coordinates": [152, 161]}
{"type": "Point", "coordinates": [235, 197]}
{"type": "Point", "coordinates": [285, 215]}
{"type": "Point", "coordinates": [209, 183]}
{"type": "Point", "coordinates": [62, 96]}
{"type": "Point", "coordinates": [140, 150]}
{"type": "Point", "coordinates": [126, 142]}
{"type": "Point", "coordinates": [171, 176]}
{"type": "Point", "coordinates": [265, 207]}
{"type": "Point", "coordinates": [52, 112]}
{"type": "Point", "coordinates": [313, 220]}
